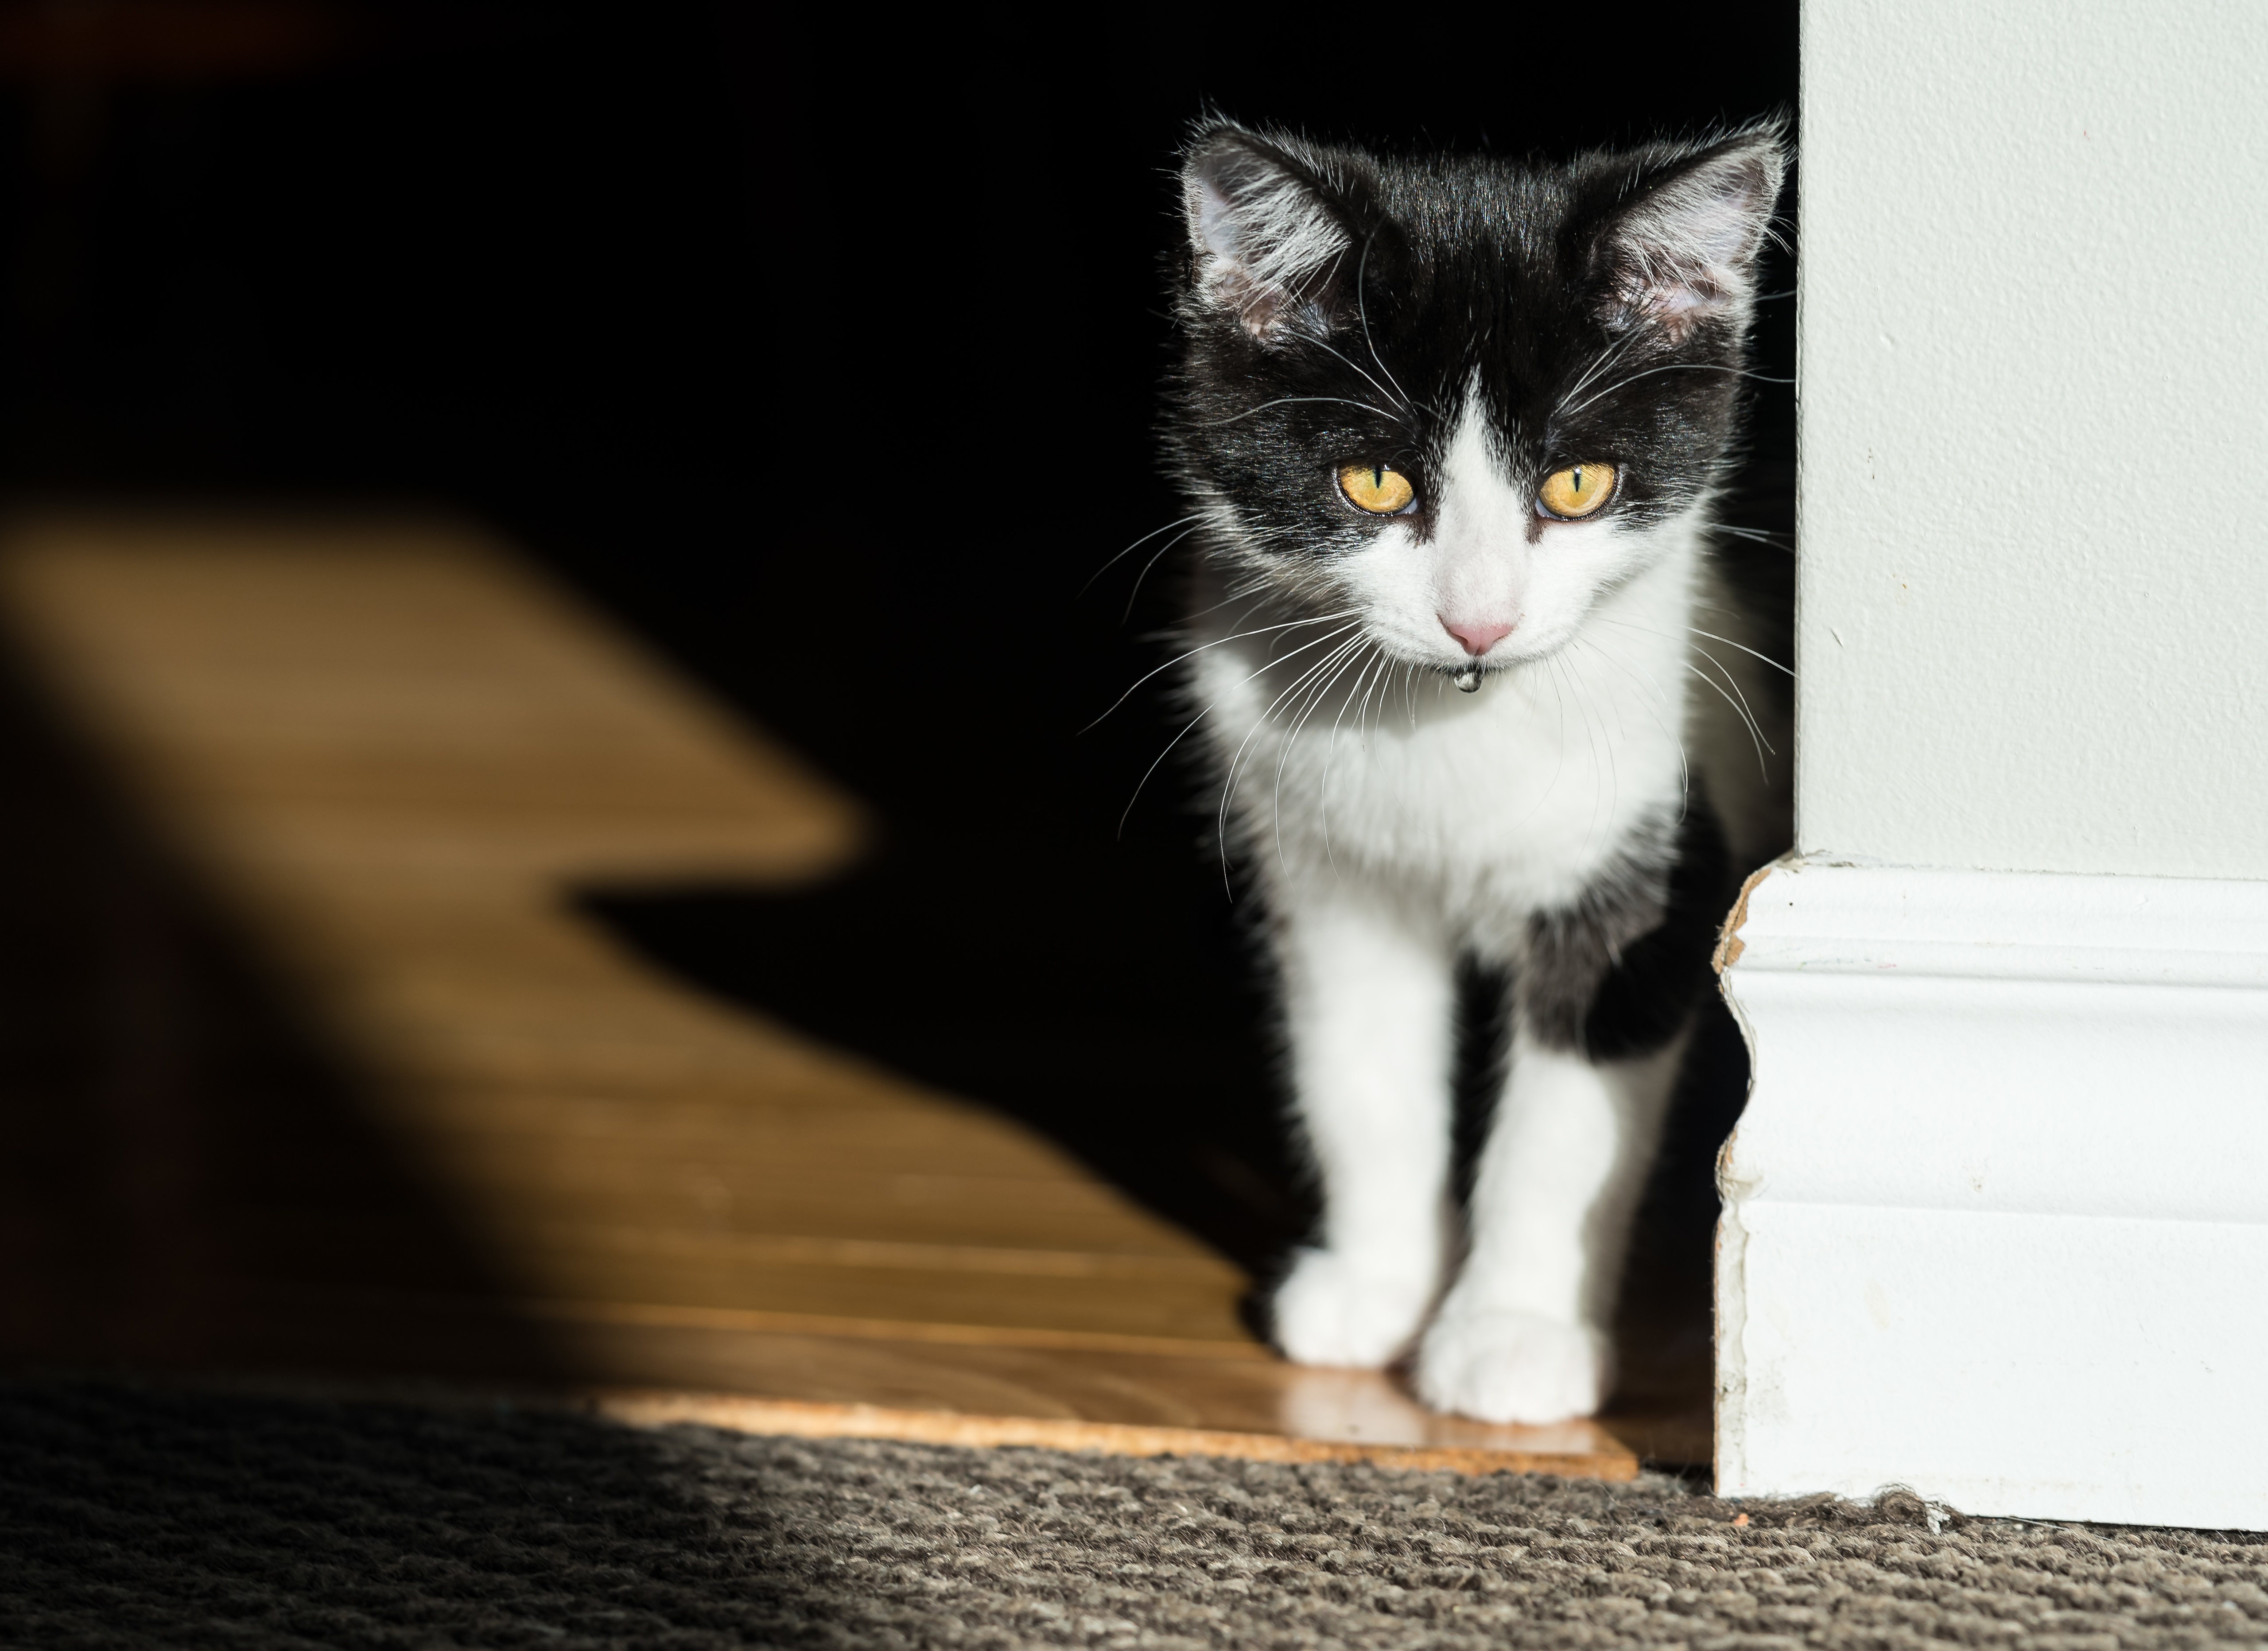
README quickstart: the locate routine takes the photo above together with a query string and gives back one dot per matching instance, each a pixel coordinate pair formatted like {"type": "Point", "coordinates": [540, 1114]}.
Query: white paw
{"type": "Point", "coordinates": [1512, 1367]}
{"type": "Point", "coordinates": [1328, 1313]}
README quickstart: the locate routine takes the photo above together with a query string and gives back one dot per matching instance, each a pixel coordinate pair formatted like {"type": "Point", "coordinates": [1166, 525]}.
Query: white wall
{"type": "Point", "coordinates": [1999, 1161]}
{"type": "Point", "coordinates": [2033, 625]}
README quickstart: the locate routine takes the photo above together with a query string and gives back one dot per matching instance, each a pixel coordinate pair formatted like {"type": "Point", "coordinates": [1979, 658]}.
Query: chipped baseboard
{"type": "Point", "coordinates": [1996, 1223]}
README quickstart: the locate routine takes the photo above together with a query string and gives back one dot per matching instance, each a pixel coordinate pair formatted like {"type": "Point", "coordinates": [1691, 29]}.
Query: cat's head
{"type": "Point", "coordinates": [1462, 396]}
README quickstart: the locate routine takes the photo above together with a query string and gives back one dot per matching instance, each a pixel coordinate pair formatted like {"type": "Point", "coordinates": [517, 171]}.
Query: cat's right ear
{"type": "Point", "coordinates": [1682, 247]}
{"type": "Point", "coordinates": [1266, 237]}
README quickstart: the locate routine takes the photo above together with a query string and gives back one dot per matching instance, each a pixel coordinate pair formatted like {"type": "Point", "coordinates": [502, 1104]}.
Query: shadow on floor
{"type": "Point", "coordinates": [1128, 1042]}
{"type": "Point", "coordinates": [189, 1179]}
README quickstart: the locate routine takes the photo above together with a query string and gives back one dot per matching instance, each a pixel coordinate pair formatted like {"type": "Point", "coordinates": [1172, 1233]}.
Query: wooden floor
{"type": "Point", "coordinates": [362, 1093]}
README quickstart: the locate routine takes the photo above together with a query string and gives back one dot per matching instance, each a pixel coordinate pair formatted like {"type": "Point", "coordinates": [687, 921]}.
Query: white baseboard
{"type": "Point", "coordinates": [1996, 1221]}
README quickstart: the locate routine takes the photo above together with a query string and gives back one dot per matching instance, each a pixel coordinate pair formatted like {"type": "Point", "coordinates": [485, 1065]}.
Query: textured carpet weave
{"type": "Point", "coordinates": [149, 1518]}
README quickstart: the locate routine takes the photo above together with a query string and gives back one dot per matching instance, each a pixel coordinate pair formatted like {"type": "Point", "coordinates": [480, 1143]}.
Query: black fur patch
{"type": "Point", "coordinates": [1615, 974]}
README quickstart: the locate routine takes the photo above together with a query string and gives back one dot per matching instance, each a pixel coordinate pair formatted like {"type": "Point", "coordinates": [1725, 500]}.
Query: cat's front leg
{"type": "Point", "coordinates": [1369, 1005]}
{"type": "Point", "coordinates": [1525, 1335]}
{"type": "Point", "coordinates": [1602, 1003]}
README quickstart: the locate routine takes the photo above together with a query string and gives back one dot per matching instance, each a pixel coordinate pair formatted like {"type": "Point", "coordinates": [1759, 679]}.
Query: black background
{"type": "Point", "coordinates": [821, 350]}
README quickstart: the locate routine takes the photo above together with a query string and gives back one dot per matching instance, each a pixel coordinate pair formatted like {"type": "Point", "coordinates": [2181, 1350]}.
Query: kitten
{"type": "Point", "coordinates": [1453, 428]}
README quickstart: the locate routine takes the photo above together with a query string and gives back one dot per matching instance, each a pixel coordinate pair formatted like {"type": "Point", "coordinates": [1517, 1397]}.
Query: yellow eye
{"type": "Point", "coordinates": [1577, 490]}
{"type": "Point", "coordinates": [1374, 488]}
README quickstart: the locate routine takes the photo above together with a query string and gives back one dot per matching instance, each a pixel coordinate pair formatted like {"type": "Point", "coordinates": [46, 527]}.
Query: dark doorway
{"type": "Point", "coordinates": [823, 354]}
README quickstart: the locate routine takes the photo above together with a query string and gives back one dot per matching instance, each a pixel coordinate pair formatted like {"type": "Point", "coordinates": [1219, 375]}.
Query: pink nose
{"type": "Point", "coordinates": [1477, 638]}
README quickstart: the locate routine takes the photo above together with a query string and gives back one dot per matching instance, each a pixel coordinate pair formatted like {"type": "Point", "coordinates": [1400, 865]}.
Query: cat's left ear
{"type": "Point", "coordinates": [1682, 249]}
{"type": "Point", "coordinates": [1268, 231]}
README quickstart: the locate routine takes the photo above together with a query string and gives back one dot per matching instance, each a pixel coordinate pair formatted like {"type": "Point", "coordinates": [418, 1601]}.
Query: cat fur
{"type": "Point", "coordinates": [1577, 821]}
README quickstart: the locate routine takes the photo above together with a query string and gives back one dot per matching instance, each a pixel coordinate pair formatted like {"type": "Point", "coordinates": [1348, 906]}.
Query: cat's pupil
{"type": "Point", "coordinates": [1579, 481]}
{"type": "Point", "coordinates": [1378, 476]}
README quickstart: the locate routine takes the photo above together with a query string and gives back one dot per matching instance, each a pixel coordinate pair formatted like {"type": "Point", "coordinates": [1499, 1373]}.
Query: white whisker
{"type": "Point", "coordinates": [1330, 753]}
{"type": "Point", "coordinates": [1338, 659]}
{"type": "Point", "coordinates": [1294, 401]}
{"type": "Point", "coordinates": [1131, 595]}
{"type": "Point", "coordinates": [1767, 659]}
{"type": "Point", "coordinates": [1138, 544]}
{"type": "Point", "coordinates": [1261, 630]}
{"type": "Point", "coordinates": [1269, 664]}
{"type": "Point", "coordinates": [1740, 707]}
{"type": "Point", "coordinates": [1366, 379]}
{"type": "Point", "coordinates": [1228, 781]}
{"type": "Point", "coordinates": [1675, 736]}
{"type": "Point", "coordinates": [1674, 366]}
{"type": "Point", "coordinates": [1362, 310]}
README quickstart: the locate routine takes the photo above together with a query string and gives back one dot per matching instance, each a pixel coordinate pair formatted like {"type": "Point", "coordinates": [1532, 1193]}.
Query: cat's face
{"type": "Point", "coordinates": [1458, 399]}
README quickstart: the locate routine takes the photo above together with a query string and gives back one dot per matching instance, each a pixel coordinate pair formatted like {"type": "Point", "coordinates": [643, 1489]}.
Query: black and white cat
{"type": "Point", "coordinates": [1453, 428]}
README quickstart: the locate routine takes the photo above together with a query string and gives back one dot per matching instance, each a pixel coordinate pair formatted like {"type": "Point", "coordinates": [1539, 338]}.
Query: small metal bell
{"type": "Point", "coordinates": [1469, 679]}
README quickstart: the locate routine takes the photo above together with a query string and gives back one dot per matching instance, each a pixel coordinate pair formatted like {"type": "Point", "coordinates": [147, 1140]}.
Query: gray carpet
{"type": "Point", "coordinates": [145, 1518]}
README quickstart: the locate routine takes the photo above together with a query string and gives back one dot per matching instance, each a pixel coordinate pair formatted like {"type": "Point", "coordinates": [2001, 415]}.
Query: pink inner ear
{"type": "Point", "coordinates": [1677, 306]}
{"type": "Point", "coordinates": [1680, 299]}
{"type": "Point", "coordinates": [1258, 308]}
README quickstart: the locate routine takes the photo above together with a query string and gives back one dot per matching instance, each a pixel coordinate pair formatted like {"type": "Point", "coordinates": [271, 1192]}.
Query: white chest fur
{"type": "Point", "coordinates": [1334, 762]}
